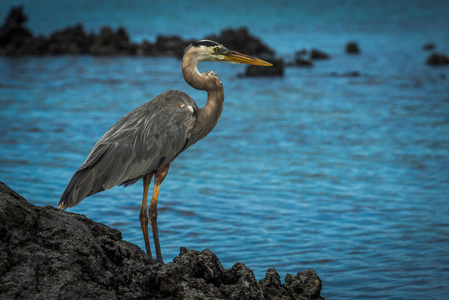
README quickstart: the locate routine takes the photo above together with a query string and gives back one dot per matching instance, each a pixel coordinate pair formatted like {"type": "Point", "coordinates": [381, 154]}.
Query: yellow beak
{"type": "Point", "coordinates": [236, 57]}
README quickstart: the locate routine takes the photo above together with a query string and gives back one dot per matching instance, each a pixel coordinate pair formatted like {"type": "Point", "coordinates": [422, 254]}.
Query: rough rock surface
{"type": "Point", "coordinates": [46, 253]}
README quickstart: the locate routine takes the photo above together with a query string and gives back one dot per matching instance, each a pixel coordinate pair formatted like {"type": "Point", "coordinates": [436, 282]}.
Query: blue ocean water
{"type": "Point", "coordinates": [345, 175]}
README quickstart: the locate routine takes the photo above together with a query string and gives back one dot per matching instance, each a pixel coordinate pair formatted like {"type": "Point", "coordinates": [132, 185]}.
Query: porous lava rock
{"type": "Point", "coordinates": [46, 253]}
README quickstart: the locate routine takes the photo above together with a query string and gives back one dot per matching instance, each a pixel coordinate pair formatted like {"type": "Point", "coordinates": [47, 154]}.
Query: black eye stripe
{"type": "Point", "coordinates": [206, 43]}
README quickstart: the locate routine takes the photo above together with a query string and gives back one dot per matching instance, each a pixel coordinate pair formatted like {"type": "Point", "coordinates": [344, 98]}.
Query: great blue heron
{"type": "Point", "coordinates": [144, 142]}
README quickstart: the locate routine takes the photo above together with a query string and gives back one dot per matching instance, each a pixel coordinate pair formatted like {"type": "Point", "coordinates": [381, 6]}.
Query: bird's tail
{"type": "Point", "coordinates": [79, 187]}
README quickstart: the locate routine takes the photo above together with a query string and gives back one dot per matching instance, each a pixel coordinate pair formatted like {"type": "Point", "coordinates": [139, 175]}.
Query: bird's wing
{"type": "Point", "coordinates": [145, 140]}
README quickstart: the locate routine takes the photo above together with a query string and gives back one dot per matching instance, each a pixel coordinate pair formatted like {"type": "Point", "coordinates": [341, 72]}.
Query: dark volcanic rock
{"type": "Point", "coordinates": [50, 254]}
{"type": "Point", "coordinates": [300, 59]}
{"type": "Point", "coordinates": [352, 74]}
{"type": "Point", "coordinates": [301, 53]}
{"type": "Point", "coordinates": [436, 59]}
{"type": "Point", "coordinates": [71, 40]}
{"type": "Point", "coordinates": [305, 284]}
{"type": "Point", "coordinates": [272, 287]}
{"type": "Point", "coordinates": [170, 45]}
{"type": "Point", "coordinates": [146, 49]}
{"type": "Point", "coordinates": [346, 74]}
{"type": "Point", "coordinates": [352, 48]}
{"type": "Point", "coordinates": [15, 39]}
{"type": "Point", "coordinates": [242, 41]}
{"type": "Point", "coordinates": [318, 54]}
{"type": "Point", "coordinates": [35, 46]}
{"type": "Point", "coordinates": [276, 70]}
{"type": "Point", "coordinates": [302, 62]}
{"type": "Point", "coordinates": [13, 35]}
{"type": "Point", "coordinates": [46, 253]}
{"type": "Point", "coordinates": [109, 42]}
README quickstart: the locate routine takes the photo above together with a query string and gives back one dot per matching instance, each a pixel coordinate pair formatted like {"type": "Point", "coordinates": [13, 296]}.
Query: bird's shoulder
{"type": "Point", "coordinates": [172, 113]}
{"type": "Point", "coordinates": [172, 108]}
{"type": "Point", "coordinates": [158, 128]}
{"type": "Point", "coordinates": [172, 98]}
{"type": "Point", "coordinates": [168, 106]}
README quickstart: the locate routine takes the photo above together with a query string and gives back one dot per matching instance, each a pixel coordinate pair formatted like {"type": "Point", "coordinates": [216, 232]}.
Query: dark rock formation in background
{"type": "Point", "coordinates": [46, 253]}
{"type": "Point", "coordinates": [13, 35]}
{"type": "Point", "coordinates": [16, 39]}
{"type": "Point", "coordinates": [110, 42]}
{"type": "Point", "coordinates": [71, 40]}
{"type": "Point", "coordinates": [302, 62]}
{"type": "Point", "coordinates": [436, 59]}
{"type": "Point", "coordinates": [300, 59]}
{"type": "Point", "coordinates": [346, 74]}
{"type": "Point", "coordinates": [171, 45]}
{"type": "Point", "coordinates": [276, 70]}
{"type": "Point", "coordinates": [352, 48]}
{"type": "Point", "coordinates": [318, 54]}
{"type": "Point", "coordinates": [241, 40]}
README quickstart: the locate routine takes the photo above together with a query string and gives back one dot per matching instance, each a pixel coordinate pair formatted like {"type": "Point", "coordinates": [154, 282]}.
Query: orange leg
{"type": "Point", "coordinates": [143, 212]}
{"type": "Point", "coordinates": [159, 176]}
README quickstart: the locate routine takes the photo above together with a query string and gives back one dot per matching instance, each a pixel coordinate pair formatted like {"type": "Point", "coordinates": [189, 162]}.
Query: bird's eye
{"type": "Point", "coordinates": [217, 49]}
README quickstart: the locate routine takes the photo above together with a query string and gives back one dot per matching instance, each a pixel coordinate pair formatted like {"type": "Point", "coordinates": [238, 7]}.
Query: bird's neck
{"type": "Point", "coordinates": [208, 115]}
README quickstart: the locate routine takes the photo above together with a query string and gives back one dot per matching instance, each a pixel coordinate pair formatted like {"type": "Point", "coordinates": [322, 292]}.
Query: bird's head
{"type": "Point", "coordinates": [206, 50]}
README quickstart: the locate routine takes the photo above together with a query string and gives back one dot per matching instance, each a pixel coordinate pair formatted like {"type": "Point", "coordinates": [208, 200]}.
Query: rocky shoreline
{"type": "Point", "coordinates": [17, 40]}
{"type": "Point", "coordinates": [46, 253]}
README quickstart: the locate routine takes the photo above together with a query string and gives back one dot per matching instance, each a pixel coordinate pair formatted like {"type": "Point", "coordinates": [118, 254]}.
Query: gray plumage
{"type": "Point", "coordinates": [144, 142]}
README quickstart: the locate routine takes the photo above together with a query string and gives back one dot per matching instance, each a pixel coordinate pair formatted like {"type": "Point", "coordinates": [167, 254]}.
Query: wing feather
{"type": "Point", "coordinates": [145, 140]}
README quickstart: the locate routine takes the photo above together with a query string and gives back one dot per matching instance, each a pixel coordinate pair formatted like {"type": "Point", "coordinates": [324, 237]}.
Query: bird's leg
{"type": "Point", "coordinates": [159, 176]}
{"type": "Point", "coordinates": [143, 213]}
